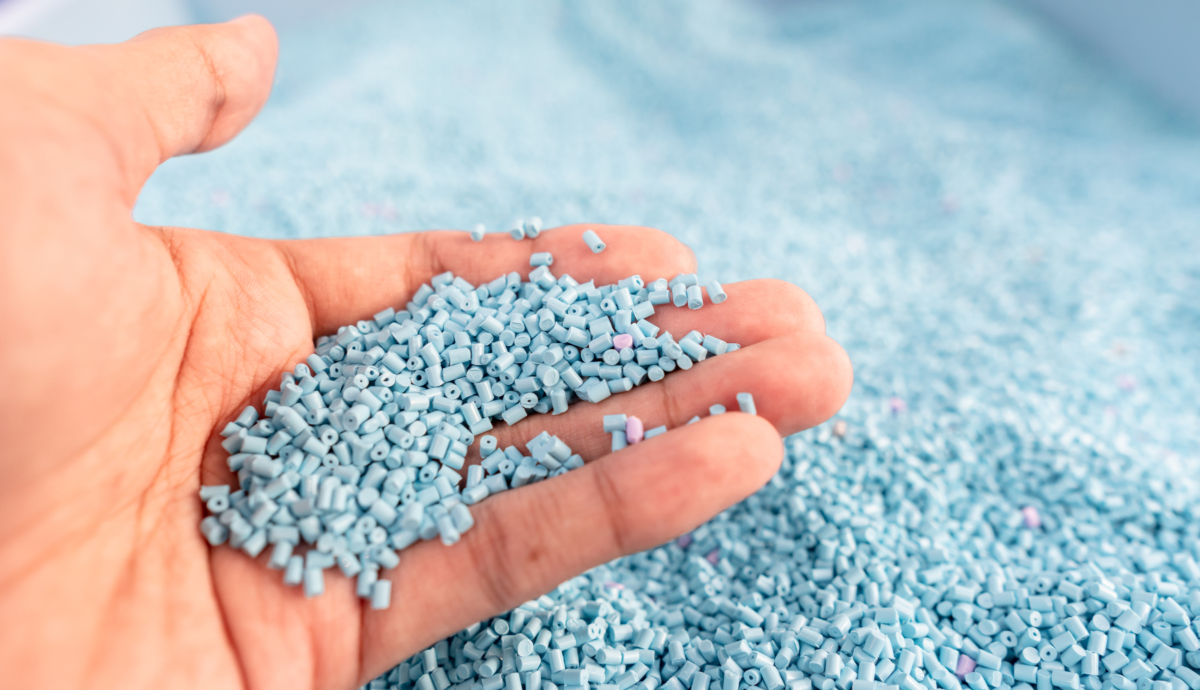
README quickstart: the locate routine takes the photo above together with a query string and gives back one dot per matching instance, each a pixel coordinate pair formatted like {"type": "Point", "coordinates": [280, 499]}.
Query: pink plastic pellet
{"type": "Point", "coordinates": [1033, 520]}
{"type": "Point", "coordinates": [684, 541]}
{"type": "Point", "coordinates": [634, 430]}
{"type": "Point", "coordinates": [714, 556]}
{"type": "Point", "coordinates": [965, 665]}
{"type": "Point", "coordinates": [623, 341]}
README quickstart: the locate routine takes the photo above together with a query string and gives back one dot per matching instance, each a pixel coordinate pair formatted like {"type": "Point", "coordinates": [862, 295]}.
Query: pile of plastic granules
{"type": "Point", "coordinates": [867, 564]}
{"type": "Point", "coordinates": [361, 450]}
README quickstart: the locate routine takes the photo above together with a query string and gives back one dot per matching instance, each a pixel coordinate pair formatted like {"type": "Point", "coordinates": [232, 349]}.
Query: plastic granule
{"type": "Point", "coordinates": [361, 449]}
{"type": "Point", "coordinates": [593, 241]}
{"type": "Point", "coordinates": [965, 665]}
{"type": "Point", "coordinates": [634, 431]}
{"type": "Point", "coordinates": [533, 228]}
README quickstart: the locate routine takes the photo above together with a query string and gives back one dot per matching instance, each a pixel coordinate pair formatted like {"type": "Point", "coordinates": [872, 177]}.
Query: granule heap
{"type": "Point", "coordinates": [361, 448]}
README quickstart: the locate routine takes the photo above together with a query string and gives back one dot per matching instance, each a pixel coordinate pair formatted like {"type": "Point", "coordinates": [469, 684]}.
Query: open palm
{"type": "Point", "coordinates": [125, 347]}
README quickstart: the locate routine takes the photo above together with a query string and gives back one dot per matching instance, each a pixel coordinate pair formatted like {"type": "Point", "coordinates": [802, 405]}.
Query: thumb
{"type": "Point", "coordinates": [184, 89]}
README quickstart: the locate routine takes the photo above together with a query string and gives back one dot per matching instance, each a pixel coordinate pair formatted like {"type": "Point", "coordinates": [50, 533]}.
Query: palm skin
{"type": "Point", "coordinates": [125, 347]}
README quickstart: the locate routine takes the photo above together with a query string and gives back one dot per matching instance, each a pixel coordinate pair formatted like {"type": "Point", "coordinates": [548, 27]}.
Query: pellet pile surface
{"type": "Point", "coordinates": [1001, 233]}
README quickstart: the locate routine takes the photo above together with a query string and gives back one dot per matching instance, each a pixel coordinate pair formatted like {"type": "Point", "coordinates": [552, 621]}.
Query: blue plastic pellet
{"type": "Point", "coordinates": [695, 298]}
{"type": "Point", "coordinates": [694, 350]}
{"type": "Point", "coordinates": [593, 241]}
{"type": "Point", "coordinates": [533, 228]}
{"type": "Point", "coordinates": [541, 259]}
{"type": "Point", "coordinates": [514, 414]}
{"type": "Point", "coordinates": [280, 555]}
{"type": "Point", "coordinates": [618, 440]}
{"type": "Point", "coordinates": [381, 594]}
{"type": "Point", "coordinates": [679, 296]}
{"type": "Point", "coordinates": [461, 515]}
{"type": "Point", "coordinates": [293, 573]}
{"type": "Point", "coordinates": [314, 582]}
{"type": "Point", "coordinates": [214, 531]}
{"type": "Point", "coordinates": [745, 403]}
{"type": "Point", "coordinates": [365, 582]}
{"type": "Point", "coordinates": [478, 232]}
{"type": "Point", "coordinates": [716, 294]}
{"type": "Point", "coordinates": [518, 230]}
{"type": "Point", "coordinates": [651, 433]}
{"type": "Point", "coordinates": [715, 345]}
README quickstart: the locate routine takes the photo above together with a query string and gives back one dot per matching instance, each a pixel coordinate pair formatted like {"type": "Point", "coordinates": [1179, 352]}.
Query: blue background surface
{"type": "Point", "coordinates": [999, 232]}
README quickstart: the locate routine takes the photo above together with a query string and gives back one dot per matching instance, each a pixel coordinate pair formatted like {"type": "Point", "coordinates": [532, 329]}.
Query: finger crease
{"type": "Point", "coordinates": [610, 500]}
{"type": "Point", "coordinates": [310, 304]}
{"type": "Point", "coordinates": [489, 557]}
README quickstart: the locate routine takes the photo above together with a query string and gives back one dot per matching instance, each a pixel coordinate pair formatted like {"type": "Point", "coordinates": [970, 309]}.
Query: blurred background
{"type": "Point", "coordinates": [996, 203]}
{"type": "Point", "coordinates": [1155, 41]}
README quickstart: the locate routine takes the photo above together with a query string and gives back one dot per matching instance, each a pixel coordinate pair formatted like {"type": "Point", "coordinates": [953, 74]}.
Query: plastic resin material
{"type": "Point", "coordinates": [745, 403]}
{"type": "Point", "coordinates": [361, 451]}
{"type": "Point", "coordinates": [532, 227]}
{"type": "Point", "coordinates": [593, 241]}
{"type": "Point", "coordinates": [634, 431]}
{"type": "Point", "coordinates": [716, 293]}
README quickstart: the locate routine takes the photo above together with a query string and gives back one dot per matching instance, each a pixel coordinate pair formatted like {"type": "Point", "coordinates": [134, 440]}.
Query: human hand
{"type": "Point", "coordinates": [126, 347]}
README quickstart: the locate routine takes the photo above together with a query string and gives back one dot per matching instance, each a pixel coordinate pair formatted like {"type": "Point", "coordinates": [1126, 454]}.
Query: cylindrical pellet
{"type": "Point", "coordinates": [381, 595]}
{"type": "Point", "coordinates": [679, 294]}
{"type": "Point", "coordinates": [314, 582]}
{"type": "Point", "coordinates": [746, 403]}
{"type": "Point", "coordinates": [651, 433]}
{"type": "Point", "coordinates": [634, 430]}
{"type": "Point", "coordinates": [461, 515]}
{"type": "Point", "coordinates": [293, 574]}
{"type": "Point", "coordinates": [365, 583]}
{"type": "Point", "coordinates": [281, 555]}
{"type": "Point", "coordinates": [716, 294]}
{"type": "Point", "coordinates": [213, 530]}
{"type": "Point", "coordinates": [533, 228]}
{"type": "Point", "coordinates": [619, 441]}
{"type": "Point", "coordinates": [593, 241]}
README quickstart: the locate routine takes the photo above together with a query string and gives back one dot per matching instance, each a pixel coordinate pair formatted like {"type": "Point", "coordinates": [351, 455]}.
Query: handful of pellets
{"type": "Point", "coordinates": [361, 451]}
